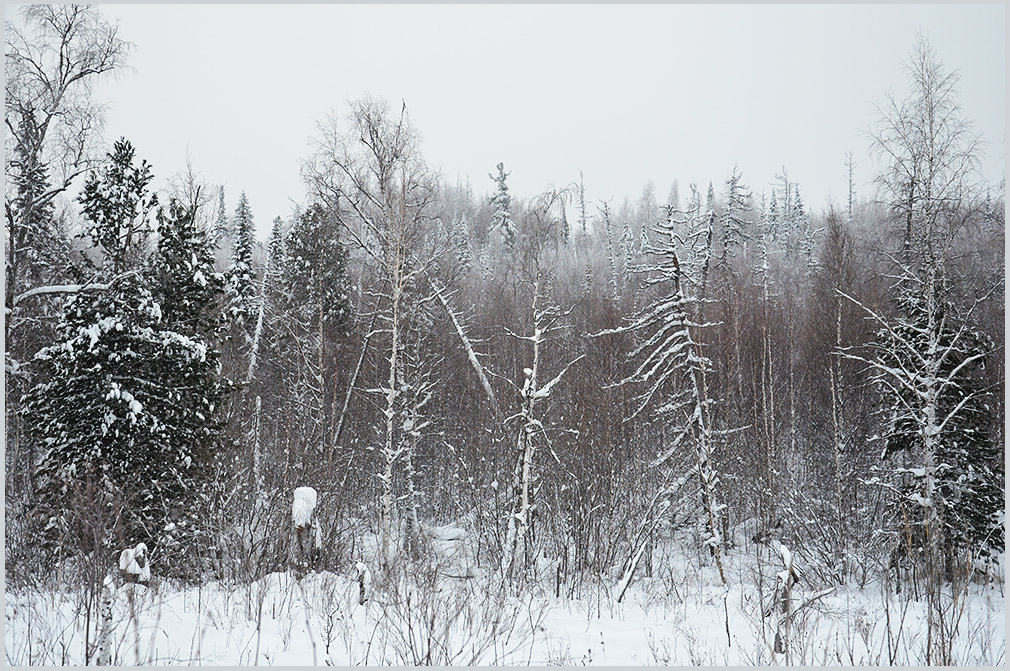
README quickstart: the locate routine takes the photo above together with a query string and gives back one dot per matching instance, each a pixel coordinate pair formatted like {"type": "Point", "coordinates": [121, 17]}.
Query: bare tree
{"type": "Point", "coordinates": [924, 356]}
{"type": "Point", "coordinates": [372, 174]}
{"type": "Point", "coordinates": [930, 156]}
{"type": "Point", "coordinates": [52, 122]}
{"type": "Point", "coordinates": [673, 372]}
{"type": "Point", "coordinates": [532, 432]}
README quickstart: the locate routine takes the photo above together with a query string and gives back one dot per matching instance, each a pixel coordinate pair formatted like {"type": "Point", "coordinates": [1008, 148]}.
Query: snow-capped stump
{"type": "Point", "coordinates": [134, 566]}
{"type": "Point", "coordinates": [307, 538]}
{"type": "Point", "coordinates": [782, 604]}
{"type": "Point", "coordinates": [303, 506]}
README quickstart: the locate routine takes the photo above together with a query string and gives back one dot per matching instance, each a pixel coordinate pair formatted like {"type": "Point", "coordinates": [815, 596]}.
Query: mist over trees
{"type": "Point", "coordinates": [574, 382]}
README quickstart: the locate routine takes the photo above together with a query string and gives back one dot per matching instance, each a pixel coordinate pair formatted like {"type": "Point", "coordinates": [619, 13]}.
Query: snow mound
{"type": "Point", "coordinates": [133, 562]}
{"type": "Point", "coordinates": [303, 506]}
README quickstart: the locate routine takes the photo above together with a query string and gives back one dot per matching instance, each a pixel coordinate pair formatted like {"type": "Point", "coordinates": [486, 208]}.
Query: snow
{"type": "Point", "coordinates": [134, 561]}
{"type": "Point", "coordinates": [303, 506]}
{"type": "Point", "coordinates": [675, 617]}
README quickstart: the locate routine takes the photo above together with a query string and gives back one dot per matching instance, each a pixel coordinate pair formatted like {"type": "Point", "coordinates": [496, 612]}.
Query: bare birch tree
{"type": "Point", "coordinates": [372, 174]}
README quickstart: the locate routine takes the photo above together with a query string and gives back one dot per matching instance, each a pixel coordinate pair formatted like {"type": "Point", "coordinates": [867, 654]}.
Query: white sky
{"type": "Point", "coordinates": [627, 94]}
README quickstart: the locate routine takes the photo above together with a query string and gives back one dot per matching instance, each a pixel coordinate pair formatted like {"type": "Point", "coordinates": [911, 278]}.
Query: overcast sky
{"type": "Point", "coordinates": [627, 94]}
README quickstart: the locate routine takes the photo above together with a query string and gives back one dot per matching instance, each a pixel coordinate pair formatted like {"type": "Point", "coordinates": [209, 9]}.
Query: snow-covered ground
{"type": "Point", "coordinates": [451, 615]}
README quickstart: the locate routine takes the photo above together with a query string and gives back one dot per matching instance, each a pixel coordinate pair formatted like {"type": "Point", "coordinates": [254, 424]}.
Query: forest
{"type": "Point", "coordinates": [437, 422]}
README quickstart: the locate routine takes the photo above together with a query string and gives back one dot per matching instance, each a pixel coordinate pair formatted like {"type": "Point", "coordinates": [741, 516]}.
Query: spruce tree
{"type": "Point", "coordinates": [220, 230]}
{"type": "Point", "coordinates": [733, 231]}
{"type": "Point", "coordinates": [33, 240]}
{"type": "Point", "coordinates": [186, 284]}
{"type": "Point", "coordinates": [241, 286]}
{"type": "Point", "coordinates": [125, 413]}
{"type": "Point", "coordinates": [501, 216]}
{"type": "Point", "coordinates": [316, 274]}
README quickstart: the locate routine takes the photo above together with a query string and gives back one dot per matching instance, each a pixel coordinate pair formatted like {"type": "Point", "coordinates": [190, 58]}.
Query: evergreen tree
{"type": "Point", "coordinates": [33, 240]}
{"type": "Point", "coordinates": [733, 231]}
{"type": "Point", "coordinates": [627, 245]}
{"type": "Point", "coordinates": [186, 285]}
{"type": "Point", "coordinates": [461, 243]}
{"type": "Point", "coordinates": [220, 230]}
{"type": "Point", "coordinates": [501, 216]}
{"type": "Point", "coordinates": [937, 398]}
{"type": "Point", "coordinates": [566, 229]}
{"type": "Point", "coordinates": [772, 218]}
{"type": "Point", "coordinates": [583, 220]}
{"type": "Point", "coordinates": [125, 410]}
{"type": "Point", "coordinates": [275, 256]}
{"type": "Point", "coordinates": [316, 274]}
{"type": "Point", "coordinates": [241, 276]}
{"type": "Point", "coordinates": [117, 204]}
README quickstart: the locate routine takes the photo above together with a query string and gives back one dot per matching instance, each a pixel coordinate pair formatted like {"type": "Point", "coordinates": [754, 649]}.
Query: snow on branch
{"type": "Point", "coordinates": [470, 353]}
{"type": "Point", "coordinates": [545, 391]}
{"type": "Point", "coordinates": [70, 288]}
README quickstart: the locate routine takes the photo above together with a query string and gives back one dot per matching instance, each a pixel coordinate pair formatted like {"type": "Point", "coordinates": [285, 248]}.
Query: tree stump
{"type": "Point", "coordinates": [307, 539]}
{"type": "Point", "coordinates": [134, 566]}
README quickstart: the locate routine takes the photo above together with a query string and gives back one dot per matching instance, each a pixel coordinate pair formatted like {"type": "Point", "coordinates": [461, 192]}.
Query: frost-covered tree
{"type": "Point", "coordinates": [939, 415]}
{"type": "Point", "coordinates": [52, 122]}
{"type": "Point", "coordinates": [126, 409]}
{"type": "Point", "coordinates": [581, 193]}
{"type": "Point", "coordinates": [386, 192]}
{"type": "Point", "coordinates": [671, 371]}
{"type": "Point", "coordinates": [34, 241]}
{"type": "Point", "coordinates": [220, 229]}
{"type": "Point", "coordinates": [37, 249]}
{"type": "Point", "coordinates": [186, 285]}
{"type": "Point", "coordinates": [241, 276]}
{"type": "Point", "coordinates": [117, 204]}
{"type": "Point", "coordinates": [608, 231]}
{"type": "Point", "coordinates": [627, 245]}
{"type": "Point", "coordinates": [316, 273]}
{"type": "Point", "coordinates": [566, 229]}
{"type": "Point", "coordinates": [733, 231]}
{"type": "Point", "coordinates": [531, 435]}
{"type": "Point", "coordinates": [927, 354]}
{"type": "Point", "coordinates": [461, 242]}
{"type": "Point", "coordinates": [501, 215]}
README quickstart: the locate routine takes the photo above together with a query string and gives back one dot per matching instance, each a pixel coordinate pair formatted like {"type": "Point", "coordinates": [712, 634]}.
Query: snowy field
{"type": "Point", "coordinates": [446, 614]}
